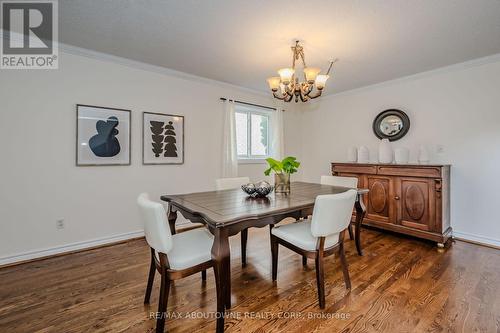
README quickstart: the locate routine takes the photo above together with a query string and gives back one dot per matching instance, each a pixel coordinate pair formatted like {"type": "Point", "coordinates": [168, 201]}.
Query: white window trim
{"type": "Point", "coordinates": [247, 160]}
{"type": "Point", "coordinates": [255, 159]}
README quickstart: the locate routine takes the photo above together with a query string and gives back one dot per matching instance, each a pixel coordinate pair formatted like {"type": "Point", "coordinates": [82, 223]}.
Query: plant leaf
{"type": "Point", "coordinates": [287, 165]}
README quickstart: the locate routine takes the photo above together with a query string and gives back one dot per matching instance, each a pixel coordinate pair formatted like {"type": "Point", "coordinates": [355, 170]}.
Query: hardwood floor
{"type": "Point", "coordinates": [399, 285]}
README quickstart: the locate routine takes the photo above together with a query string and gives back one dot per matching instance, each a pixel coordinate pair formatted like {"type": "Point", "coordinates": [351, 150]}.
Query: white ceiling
{"type": "Point", "coordinates": [244, 42]}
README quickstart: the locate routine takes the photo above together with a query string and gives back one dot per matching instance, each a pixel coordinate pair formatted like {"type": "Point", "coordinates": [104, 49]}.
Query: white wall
{"type": "Point", "coordinates": [40, 183]}
{"type": "Point", "coordinates": [39, 180]}
{"type": "Point", "coordinates": [457, 107]}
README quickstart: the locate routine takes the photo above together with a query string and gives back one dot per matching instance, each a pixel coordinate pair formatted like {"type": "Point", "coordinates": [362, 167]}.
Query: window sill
{"type": "Point", "coordinates": [252, 161]}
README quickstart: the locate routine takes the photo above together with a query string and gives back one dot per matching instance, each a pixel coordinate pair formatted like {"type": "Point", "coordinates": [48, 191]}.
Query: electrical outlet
{"type": "Point", "coordinates": [439, 149]}
{"type": "Point", "coordinates": [60, 224]}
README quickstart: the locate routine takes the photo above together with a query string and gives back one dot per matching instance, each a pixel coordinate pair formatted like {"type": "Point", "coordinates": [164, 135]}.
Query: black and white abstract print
{"type": "Point", "coordinates": [163, 141]}
{"type": "Point", "coordinates": [103, 136]}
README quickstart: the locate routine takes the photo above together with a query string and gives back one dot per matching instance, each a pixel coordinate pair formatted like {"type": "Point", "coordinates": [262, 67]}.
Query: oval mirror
{"type": "Point", "coordinates": [391, 124]}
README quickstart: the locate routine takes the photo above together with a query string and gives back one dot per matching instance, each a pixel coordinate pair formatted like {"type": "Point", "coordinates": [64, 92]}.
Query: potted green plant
{"type": "Point", "coordinates": [282, 171]}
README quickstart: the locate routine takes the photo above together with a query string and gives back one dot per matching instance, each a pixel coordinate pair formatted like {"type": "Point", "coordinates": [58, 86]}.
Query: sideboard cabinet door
{"type": "Point", "coordinates": [379, 206]}
{"type": "Point", "coordinates": [417, 208]}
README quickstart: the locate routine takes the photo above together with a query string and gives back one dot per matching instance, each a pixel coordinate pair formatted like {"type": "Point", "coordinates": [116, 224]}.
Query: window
{"type": "Point", "coordinates": [252, 132]}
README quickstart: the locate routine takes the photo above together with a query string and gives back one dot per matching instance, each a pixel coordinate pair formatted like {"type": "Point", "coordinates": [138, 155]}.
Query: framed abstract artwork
{"type": "Point", "coordinates": [163, 138]}
{"type": "Point", "coordinates": [102, 136]}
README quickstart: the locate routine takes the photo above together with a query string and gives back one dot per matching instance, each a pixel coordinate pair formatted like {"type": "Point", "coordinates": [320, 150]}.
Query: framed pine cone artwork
{"type": "Point", "coordinates": [163, 138]}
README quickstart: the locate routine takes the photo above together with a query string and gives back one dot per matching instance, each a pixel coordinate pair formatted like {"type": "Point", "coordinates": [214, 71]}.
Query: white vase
{"type": "Point", "coordinates": [352, 154]}
{"type": "Point", "coordinates": [363, 154]}
{"type": "Point", "coordinates": [423, 155]}
{"type": "Point", "coordinates": [385, 152]}
{"type": "Point", "coordinates": [402, 155]}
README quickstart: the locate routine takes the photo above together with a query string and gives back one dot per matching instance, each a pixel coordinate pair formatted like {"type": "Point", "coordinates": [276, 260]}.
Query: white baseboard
{"type": "Point", "coordinates": [68, 248]}
{"type": "Point", "coordinates": [477, 238]}
{"type": "Point", "coordinates": [134, 234]}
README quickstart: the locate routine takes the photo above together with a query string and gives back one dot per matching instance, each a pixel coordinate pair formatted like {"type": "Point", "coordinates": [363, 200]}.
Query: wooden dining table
{"type": "Point", "coordinates": [228, 212]}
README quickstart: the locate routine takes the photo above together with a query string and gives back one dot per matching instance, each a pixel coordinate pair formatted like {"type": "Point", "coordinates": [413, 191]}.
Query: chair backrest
{"type": "Point", "coordinates": [351, 182]}
{"type": "Point", "coordinates": [332, 213]}
{"type": "Point", "coordinates": [156, 228]}
{"type": "Point", "coordinates": [230, 183]}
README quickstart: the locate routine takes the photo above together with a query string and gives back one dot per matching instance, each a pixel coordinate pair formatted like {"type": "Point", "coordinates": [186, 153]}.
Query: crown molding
{"type": "Point", "coordinates": [433, 72]}
{"type": "Point", "coordinates": [96, 55]}
{"type": "Point", "coordinates": [78, 51]}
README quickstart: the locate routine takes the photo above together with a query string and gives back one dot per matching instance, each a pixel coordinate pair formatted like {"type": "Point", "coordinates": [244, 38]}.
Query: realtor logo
{"type": "Point", "coordinates": [29, 38]}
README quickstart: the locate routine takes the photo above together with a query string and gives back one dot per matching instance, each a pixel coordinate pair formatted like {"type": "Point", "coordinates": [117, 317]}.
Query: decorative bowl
{"type": "Point", "coordinates": [259, 190]}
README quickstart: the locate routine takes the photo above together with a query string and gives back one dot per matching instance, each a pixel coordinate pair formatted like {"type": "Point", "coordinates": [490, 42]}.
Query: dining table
{"type": "Point", "coordinates": [228, 212]}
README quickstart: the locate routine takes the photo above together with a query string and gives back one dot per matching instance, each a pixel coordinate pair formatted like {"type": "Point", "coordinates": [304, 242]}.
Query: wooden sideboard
{"type": "Point", "coordinates": [409, 199]}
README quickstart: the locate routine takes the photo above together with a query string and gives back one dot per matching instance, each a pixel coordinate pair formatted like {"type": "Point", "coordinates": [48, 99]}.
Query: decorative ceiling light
{"type": "Point", "coordinates": [286, 86]}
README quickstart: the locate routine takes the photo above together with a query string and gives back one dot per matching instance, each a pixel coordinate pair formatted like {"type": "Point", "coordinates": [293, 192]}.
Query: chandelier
{"type": "Point", "coordinates": [286, 86]}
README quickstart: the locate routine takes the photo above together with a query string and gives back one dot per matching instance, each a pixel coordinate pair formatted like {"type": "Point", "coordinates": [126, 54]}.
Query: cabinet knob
{"type": "Point", "coordinates": [396, 198]}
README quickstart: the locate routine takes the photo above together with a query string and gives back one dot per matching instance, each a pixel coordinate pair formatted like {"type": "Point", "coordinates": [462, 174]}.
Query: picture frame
{"type": "Point", "coordinates": [103, 136]}
{"type": "Point", "coordinates": [162, 138]}
{"type": "Point", "coordinates": [392, 124]}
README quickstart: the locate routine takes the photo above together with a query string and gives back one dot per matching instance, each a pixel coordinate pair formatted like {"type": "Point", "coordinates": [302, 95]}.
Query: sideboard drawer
{"type": "Point", "coordinates": [432, 172]}
{"type": "Point", "coordinates": [365, 169]}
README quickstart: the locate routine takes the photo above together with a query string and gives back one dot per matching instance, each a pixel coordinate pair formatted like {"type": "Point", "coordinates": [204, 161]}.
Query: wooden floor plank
{"type": "Point", "coordinates": [400, 285]}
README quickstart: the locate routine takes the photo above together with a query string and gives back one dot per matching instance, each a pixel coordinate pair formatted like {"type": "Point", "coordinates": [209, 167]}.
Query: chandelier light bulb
{"type": "Point", "coordinates": [311, 73]}
{"type": "Point", "coordinates": [274, 83]}
{"type": "Point", "coordinates": [286, 75]}
{"type": "Point", "coordinates": [321, 81]}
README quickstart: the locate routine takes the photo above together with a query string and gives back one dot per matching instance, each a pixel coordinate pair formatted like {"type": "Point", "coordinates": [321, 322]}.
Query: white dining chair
{"type": "Point", "coordinates": [173, 256]}
{"type": "Point", "coordinates": [351, 182]}
{"type": "Point", "coordinates": [230, 183]}
{"type": "Point", "coordinates": [318, 237]}
{"type": "Point", "coordinates": [222, 184]}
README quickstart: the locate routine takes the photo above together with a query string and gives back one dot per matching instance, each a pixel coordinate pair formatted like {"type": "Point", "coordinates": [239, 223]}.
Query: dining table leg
{"type": "Point", "coordinates": [244, 240]}
{"type": "Point", "coordinates": [360, 214]}
{"type": "Point", "coordinates": [172, 217]}
{"type": "Point", "coordinates": [221, 258]}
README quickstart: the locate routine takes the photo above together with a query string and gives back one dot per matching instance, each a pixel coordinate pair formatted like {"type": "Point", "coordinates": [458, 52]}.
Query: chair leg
{"type": "Point", "coordinates": [304, 260]}
{"type": "Point", "coordinates": [320, 280]}
{"type": "Point", "coordinates": [345, 269]}
{"type": "Point", "coordinates": [351, 234]}
{"type": "Point", "coordinates": [274, 255]}
{"type": "Point", "coordinates": [244, 237]}
{"type": "Point", "coordinates": [162, 305]}
{"type": "Point", "coordinates": [204, 275]}
{"type": "Point", "coordinates": [151, 278]}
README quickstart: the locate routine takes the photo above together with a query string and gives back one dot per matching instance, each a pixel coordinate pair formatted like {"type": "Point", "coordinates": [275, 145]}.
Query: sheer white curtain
{"type": "Point", "coordinates": [229, 155]}
{"type": "Point", "coordinates": [277, 140]}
